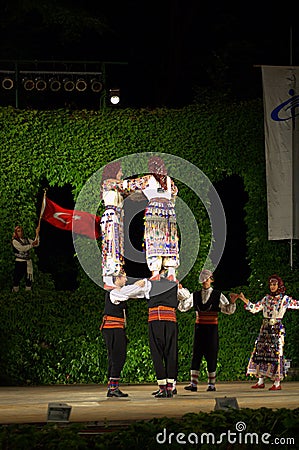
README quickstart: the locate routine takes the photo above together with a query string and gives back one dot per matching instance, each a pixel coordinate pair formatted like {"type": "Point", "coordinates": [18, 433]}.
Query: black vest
{"type": "Point", "coordinates": [114, 310]}
{"type": "Point", "coordinates": [21, 255]}
{"type": "Point", "coordinates": [163, 293]}
{"type": "Point", "coordinates": [211, 305]}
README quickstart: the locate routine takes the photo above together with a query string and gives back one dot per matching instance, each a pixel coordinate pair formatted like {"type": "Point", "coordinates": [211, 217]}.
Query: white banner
{"type": "Point", "coordinates": [281, 121]}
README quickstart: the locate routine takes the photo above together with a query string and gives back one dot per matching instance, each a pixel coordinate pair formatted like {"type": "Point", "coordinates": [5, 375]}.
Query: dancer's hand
{"type": "Point", "coordinates": [243, 298]}
{"type": "Point", "coordinates": [233, 297]}
{"type": "Point", "coordinates": [140, 283]}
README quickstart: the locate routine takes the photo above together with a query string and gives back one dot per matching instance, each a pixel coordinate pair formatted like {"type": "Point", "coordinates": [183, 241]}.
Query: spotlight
{"type": "Point", "coordinates": [40, 84]}
{"type": "Point", "coordinates": [96, 85]}
{"type": "Point", "coordinates": [114, 95]}
{"type": "Point", "coordinates": [28, 84]}
{"type": "Point", "coordinates": [68, 85]}
{"type": "Point", "coordinates": [58, 412]}
{"type": "Point", "coordinates": [7, 83]}
{"type": "Point", "coordinates": [55, 84]}
{"type": "Point", "coordinates": [81, 85]}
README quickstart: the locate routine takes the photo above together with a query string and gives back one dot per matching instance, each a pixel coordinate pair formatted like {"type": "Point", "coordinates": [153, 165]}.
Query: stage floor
{"type": "Point", "coordinates": [90, 404]}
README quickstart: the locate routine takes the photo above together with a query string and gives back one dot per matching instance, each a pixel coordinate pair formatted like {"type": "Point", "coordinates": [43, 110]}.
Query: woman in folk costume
{"type": "Point", "coordinates": [112, 223]}
{"type": "Point", "coordinates": [160, 232]}
{"type": "Point", "coordinates": [267, 359]}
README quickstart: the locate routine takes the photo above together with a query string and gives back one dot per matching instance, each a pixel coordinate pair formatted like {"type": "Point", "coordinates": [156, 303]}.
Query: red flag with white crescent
{"type": "Point", "coordinates": [80, 222]}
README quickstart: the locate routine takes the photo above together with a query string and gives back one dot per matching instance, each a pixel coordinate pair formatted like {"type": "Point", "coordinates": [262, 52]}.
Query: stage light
{"type": "Point", "coordinates": [68, 85]}
{"type": "Point", "coordinates": [114, 95]}
{"type": "Point", "coordinates": [226, 403]}
{"type": "Point", "coordinates": [28, 84]}
{"type": "Point", "coordinates": [58, 412]}
{"type": "Point", "coordinates": [7, 83]}
{"type": "Point", "coordinates": [40, 84]}
{"type": "Point", "coordinates": [55, 84]}
{"type": "Point", "coordinates": [96, 85]}
{"type": "Point", "coordinates": [81, 85]}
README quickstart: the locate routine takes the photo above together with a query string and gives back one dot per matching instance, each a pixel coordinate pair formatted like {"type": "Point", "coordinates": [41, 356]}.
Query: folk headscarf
{"type": "Point", "coordinates": [281, 288]}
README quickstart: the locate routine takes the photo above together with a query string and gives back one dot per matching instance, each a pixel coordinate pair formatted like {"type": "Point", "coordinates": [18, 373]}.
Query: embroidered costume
{"type": "Point", "coordinates": [267, 358]}
{"type": "Point", "coordinates": [160, 233]}
{"type": "Point", "coordinates": [112, 228]}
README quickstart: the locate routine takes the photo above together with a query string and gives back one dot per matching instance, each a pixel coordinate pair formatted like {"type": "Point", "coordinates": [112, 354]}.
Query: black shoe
{"type": "Point", "coordinates": [169, 394]}
{"type": "Point", "coordinates": [174, 391]}
{"type": "Point", "coordinates": [116, 393]}
{"type": "Point", "coordinates": [191, 388]}
{"type": "Point", "coordinates": [161, 394]}
{"type": "Point", "coordinates": [156, 392]}
{"type": "Point", "coordinates": [211, 388]}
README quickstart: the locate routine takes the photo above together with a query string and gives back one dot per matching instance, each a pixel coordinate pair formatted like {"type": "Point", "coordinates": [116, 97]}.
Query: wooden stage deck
{"type": "Point", "coordinates": [90, 404]}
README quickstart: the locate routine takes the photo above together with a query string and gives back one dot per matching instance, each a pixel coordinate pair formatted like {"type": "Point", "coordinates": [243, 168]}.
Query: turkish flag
{"type": "Point", "coordinates": [80, 222]}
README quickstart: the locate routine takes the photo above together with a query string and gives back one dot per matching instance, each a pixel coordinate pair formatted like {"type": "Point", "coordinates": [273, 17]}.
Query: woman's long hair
{"type": "Point", "coordinates": [111, 170]}
{"type": "Point", "coordinates": [157, 168]}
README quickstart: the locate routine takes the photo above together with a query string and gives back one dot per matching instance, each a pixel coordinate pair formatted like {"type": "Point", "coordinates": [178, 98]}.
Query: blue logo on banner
{"type": "Point", "coordinates": [287, 109]}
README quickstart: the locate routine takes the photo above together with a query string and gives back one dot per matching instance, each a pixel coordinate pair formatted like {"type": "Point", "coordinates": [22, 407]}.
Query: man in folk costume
{"type": "Point", "coordinates": [163, 333]}
{"type": "Point", "coordinates": [113, 327]}
{"type": "Point", "coordinates": [267, 357]}
{"type": "Point", "coordinates": [23, 264]}
{"type": "Point", "coordinates": [207, 302]}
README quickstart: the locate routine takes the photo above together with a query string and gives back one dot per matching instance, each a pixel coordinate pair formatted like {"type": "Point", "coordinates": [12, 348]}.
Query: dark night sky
{"type": "Point", "coordinates": [171, 46]}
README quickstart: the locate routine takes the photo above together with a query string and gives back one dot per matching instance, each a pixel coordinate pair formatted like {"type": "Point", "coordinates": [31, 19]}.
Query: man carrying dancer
{"type": "Point", "coordinates": [113, 327]}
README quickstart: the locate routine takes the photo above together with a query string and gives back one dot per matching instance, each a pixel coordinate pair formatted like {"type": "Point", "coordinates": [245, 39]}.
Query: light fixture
{"type": "Point", "coordinates": [96, 85]}
{"type": "Point", "coordinates": [81, 85]}
{"type": "Point", "coordinates": [55, 84]}
{"type": "Point", "coordinates": [114, 95]}
{"type": "Point", "coordinates": [28, 84]}
{"type": "Point", "coordinates": [58, 412]}
{"type": "Point", "coordinates": [68, 85]}
{"type": "Point", "coordinates": [7, 83]}
{"type": "Point", "coordinates": [40, 84]}
{"type": "Point", "coordinates": [226, 403]}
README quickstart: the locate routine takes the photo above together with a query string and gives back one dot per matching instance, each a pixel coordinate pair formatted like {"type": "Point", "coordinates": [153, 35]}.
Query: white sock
{"type": "Point", "coordinates": [276, 383]}
{"type": "Point", "coordinates": [261, 380]}
{"type": "Point", "coordinates": [108, 280]}
{"type": "Point", "coordinates": [155, 273]}
{"type": "Point", "coordinates": [171, 271]}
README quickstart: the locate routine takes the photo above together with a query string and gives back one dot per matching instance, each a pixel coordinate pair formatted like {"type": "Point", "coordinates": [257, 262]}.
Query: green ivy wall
{"type": "Point", "coordinates": [52, 336]}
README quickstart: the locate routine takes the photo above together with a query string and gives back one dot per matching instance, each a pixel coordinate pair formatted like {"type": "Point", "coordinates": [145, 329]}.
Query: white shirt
{"type": "Point", "coordinates": [130, 291]}
{"type": "Point", "coordinates": [23, 248]}
{"type": "Point", "coordinates": [187, 303]}
{"type": "Point", "coordinates": [154, 190]}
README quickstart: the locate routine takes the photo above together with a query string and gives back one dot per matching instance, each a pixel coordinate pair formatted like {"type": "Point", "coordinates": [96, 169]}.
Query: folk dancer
{"type": "Point", "coordinates": [207, 302]}
{"type": "Point", "coordinates": [113, 327]}
{"type": "Point", "coordinates": [267, 357]}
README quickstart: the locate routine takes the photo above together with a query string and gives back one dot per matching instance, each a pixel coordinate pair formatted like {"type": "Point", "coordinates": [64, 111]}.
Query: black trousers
{"type": "Point", "coordinates": [163, 340]}
{"type": "Point", "coordinates": [20, 271]}
{"type": "Point", "coordinates": [116, 343]}
{"type": "Point", "coordinates": [205, 344]}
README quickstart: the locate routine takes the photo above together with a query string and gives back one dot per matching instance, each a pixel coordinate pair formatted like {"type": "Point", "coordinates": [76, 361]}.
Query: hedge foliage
{"type": "Point", "coordinates": [53, 336]}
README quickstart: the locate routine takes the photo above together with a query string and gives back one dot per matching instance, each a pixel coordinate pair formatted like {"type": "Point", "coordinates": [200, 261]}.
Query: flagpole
{"type": "Point", "coordinates": [41, 212]}
{"type": "Point", "coordinates": [293, 174]}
